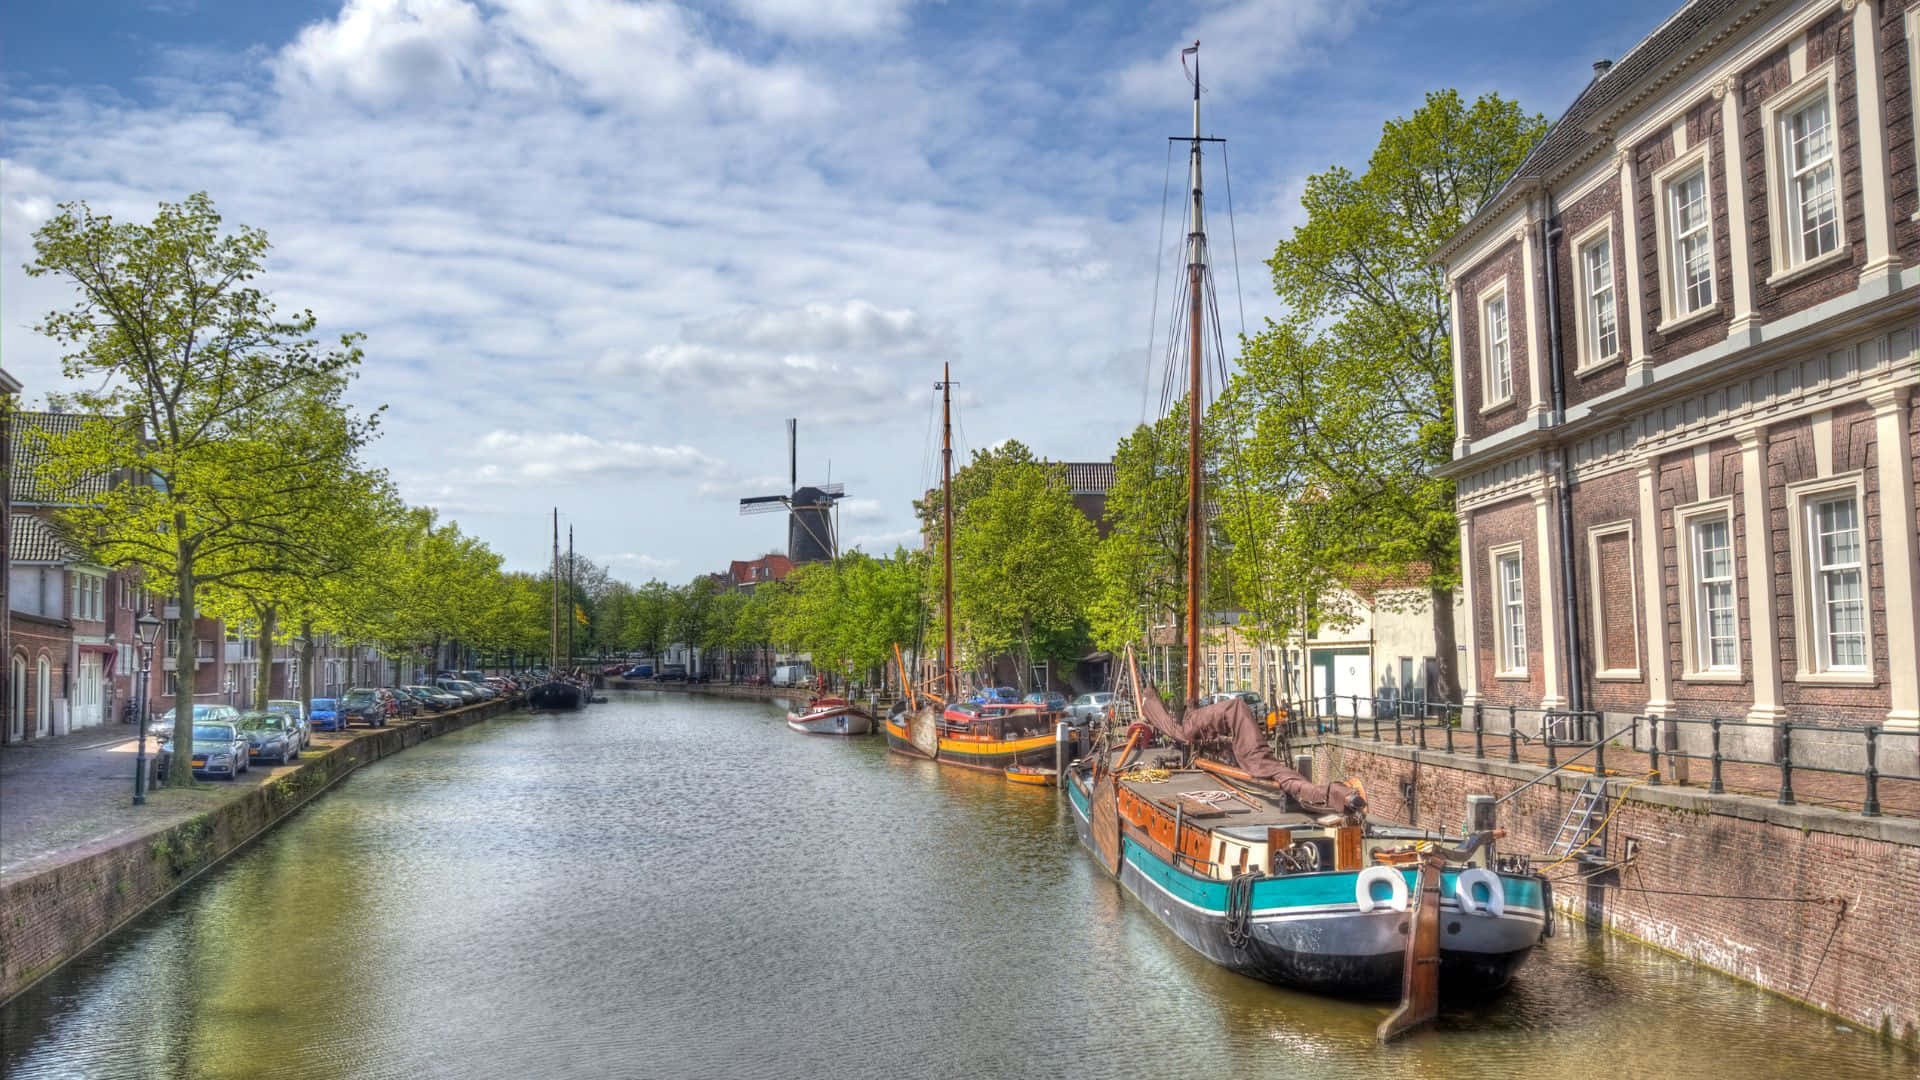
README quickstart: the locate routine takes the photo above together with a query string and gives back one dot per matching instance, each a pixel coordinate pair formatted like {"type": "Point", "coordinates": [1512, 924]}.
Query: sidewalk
{"type": "Point", "coordinates": [73, 794]}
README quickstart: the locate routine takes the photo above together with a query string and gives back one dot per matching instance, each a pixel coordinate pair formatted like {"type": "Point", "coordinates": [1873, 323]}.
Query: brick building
{"type": "Point", "coordinates": [1685, 367]}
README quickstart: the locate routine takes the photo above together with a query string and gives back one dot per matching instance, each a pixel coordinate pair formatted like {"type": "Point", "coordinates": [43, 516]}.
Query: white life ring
{"type": "Point", "coordinates": [1363, 888]}
{"type": "Point", "coordinates": [1495, 904]}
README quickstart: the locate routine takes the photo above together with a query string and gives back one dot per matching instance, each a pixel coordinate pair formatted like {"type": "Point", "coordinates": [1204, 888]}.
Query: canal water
{"type": "Point", "coordinates": [666, 886]}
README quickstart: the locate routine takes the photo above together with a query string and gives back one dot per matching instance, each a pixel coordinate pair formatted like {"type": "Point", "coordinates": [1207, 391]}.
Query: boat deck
{"type": "Point", "coordinates": [1207, 800]}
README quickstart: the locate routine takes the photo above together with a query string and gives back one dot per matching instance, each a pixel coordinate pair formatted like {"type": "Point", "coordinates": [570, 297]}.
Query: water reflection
{"type": "Point", "coordinates": [672, 887]}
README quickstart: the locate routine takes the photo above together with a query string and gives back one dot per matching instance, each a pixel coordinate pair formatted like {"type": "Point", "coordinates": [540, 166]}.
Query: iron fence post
{"type": "Point", "coordinates": [1376, 717]}
{"type": "Point", "coordinates": [1450, 725]}
{"type": "Point", "coordinates": [1546, 736]}
{"type": "Point", "coordinates": [1397, 739]}
{"type": "Point", "coordinates": [1653, 744]}
{"type": "Point", "coordinates": [1714, 787]}
{"type": "Point", "coordinates": [1513, 737]}
{"type": "Point", "coordinates": [1786, 763]}
{"type": "Point", "coordinates": [1870, 807]}
{"type": "Point", "coordinates": [1600, 754]}
{"type": "Point", "coordinates": [1479, 731]}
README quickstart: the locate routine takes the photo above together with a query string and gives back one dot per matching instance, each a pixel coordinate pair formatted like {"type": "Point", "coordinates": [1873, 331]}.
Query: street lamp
{"type": "Point", "coordinates": [145, 628]}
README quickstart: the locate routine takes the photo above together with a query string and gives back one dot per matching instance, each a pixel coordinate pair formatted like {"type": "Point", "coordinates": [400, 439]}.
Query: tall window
{"type": "Point", "coordinates": [1839, 601]}
{"type": "Point", "coordinates": [1513, 613]}
{"type": "Point", "coordinates": [1715, 633]}
{"type": "Point", "coordinates": [1246, 671]}
{"type": "Point", "coordinates": [1813, 208]}
{"type": "Point", "coordinates": [1692, 242]}
{"type": "Point", "coordinates": [1499, 364]}
{"type": "Point", "coordinates": [1596, 268]}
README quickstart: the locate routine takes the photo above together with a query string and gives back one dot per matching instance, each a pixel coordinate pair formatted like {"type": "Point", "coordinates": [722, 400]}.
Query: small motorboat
{"type": "Point", "coordinates": [1033, 775]}
{"type": "Point", "coordinates": [830, 716]}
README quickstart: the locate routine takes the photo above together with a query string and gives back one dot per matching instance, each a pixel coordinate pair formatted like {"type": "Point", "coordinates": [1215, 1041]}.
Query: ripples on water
{"type": "Point", "coordinates": [675, 887]}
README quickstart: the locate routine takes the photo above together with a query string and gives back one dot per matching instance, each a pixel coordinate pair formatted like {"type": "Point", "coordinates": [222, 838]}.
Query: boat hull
{"type": "Point", "coordinates": [841, 721]}
{"type": "Point", "coordinates": [1306, 931]}
{"type": "Point", "coordinates": [987, 755]}
{"type": "Point", "coordinates": [556, 695]}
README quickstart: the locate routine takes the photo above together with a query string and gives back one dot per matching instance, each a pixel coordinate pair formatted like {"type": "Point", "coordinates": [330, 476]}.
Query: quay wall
{"type": "Point", "coordinates": [1818, 905]}
{"type": "Point", "coordinates": [50, 916]}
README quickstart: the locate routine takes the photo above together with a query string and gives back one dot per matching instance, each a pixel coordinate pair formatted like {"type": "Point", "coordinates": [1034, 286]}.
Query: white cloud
{"type": "Point", "coordinates": [648, 57]}
{"type": "Point", "coordinates": [1244, 45]}
{"type": "Point", "coordinates": [881, 544]}
{"type": "Point", "coordinates": [640, 562]}
{"type": "Point", "coordinates": [824, 18]}
{"type": "Point", "coordinates": [572, 457]}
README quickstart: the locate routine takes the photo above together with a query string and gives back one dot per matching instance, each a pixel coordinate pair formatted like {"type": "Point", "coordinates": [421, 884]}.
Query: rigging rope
{"type": "Point", "coordinates": [1159, 258]}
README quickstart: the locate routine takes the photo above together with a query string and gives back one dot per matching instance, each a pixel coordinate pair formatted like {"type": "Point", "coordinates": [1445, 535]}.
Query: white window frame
{"type": "Point", "coordinates": [1586, 335]}
{"type": "Point", "coordinates": [1672, 289]}
{"type": "Point", "coordinates": [1503, 632]}
{"type": "Point", "coordinates": [1594, 535]}
{"type": "Point", "coordinates": [1809, 640]}
{"type": "Point", "coordinates": [1783, 228]}
{"type": "Point", "coordinates": [1691, 616]}
{"type": "Point", "coordinates": [1489, 401]}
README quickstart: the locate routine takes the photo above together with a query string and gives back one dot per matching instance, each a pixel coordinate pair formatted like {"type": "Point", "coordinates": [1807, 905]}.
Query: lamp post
{"type": "Point", "coordinates": [145, 627]}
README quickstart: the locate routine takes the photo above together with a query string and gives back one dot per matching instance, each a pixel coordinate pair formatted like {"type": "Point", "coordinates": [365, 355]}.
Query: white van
{"type": "Point", "coordinates": [793, 674]}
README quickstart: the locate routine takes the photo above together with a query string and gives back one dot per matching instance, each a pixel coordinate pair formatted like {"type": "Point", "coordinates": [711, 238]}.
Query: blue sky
{"type": "Point", "coordinates": [601, 248]}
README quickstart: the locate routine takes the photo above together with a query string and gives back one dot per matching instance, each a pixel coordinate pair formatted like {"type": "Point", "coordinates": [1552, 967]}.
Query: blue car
{"type": "Point", "coordinates": [325, 715]}
{"type": "Point", "coordinates": [638, 671]}
{"type": "Point", "coordinates": [996, 695]}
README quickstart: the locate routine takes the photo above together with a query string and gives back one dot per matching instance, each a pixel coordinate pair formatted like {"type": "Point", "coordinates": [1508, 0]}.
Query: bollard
{"type": "Point", "coordinates": [1786, 763]}
{"type": "Point", "coordinates": [1870, 807]}
{"type": "Point", "coordinates": [1480, 818]}
{"type": "Point", "coordinates": [1713, 786]}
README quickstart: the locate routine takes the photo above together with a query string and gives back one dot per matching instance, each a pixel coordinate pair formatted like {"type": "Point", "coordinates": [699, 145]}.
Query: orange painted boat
{"type": "Point", "coordinates": [1033, 775]}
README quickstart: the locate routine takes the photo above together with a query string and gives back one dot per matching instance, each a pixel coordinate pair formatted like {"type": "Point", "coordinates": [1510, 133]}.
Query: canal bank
{"type": "Point", "coordinates": [1812, 903]}
{"type": "Point", "coordinates": [55, 907]}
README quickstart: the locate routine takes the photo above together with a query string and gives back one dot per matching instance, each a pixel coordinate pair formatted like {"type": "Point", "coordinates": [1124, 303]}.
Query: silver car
{"type": "Point", "coordinates": [1091, 707]}
{"type": "Point", "coordinates": [162, 725]}
{"type": "Point", "coordinates": [218, 750]}
{"type": "Point", "coordinates": [296, 712]}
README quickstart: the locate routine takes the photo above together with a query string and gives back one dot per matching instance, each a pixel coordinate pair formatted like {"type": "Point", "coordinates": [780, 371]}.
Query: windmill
{"type": "Point", "coordinates": [810, 516]}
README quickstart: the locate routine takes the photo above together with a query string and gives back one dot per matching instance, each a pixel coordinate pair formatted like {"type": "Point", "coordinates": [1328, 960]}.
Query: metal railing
{"type": "Point", "coordinates": [1666, 739]}
{"type": "Point", "coordinates": [1855, 750]}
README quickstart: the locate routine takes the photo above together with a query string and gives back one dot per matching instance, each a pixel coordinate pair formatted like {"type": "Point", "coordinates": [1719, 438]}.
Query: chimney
{"type": "Point", "coordinates": [1600, 67]}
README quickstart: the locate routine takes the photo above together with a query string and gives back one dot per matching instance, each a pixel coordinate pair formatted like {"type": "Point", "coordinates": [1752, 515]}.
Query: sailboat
{"type": "Point", "coordinates": [1010, 739]}
{"type": "Point", "coordinates": [1255, 865]}
{"type": "Point", "coordinates": [560, 691]}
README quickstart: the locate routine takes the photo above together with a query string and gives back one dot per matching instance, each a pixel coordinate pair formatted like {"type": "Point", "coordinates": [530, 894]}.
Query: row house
{"type": "Point", "coordinates": [1685, 364]}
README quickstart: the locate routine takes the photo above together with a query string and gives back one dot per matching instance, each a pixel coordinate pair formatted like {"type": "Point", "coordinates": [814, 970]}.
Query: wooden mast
{"type": "Point", "coordinates": [1196, 312]}
{"type": "Point", "coordinates": [947, 677]}
{"type": "Point", "coordinates": [553, 602]}
{"type": "Point", "coordinates": [569, 615]}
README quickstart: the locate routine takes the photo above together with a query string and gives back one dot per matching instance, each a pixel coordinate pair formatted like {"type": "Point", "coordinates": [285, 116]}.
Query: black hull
{"type": "Point", "coordinates": [556, 695]}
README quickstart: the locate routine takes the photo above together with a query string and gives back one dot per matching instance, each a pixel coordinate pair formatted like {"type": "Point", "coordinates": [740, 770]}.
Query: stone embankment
{"type": "Point", "coordinates": [58, 907]}
{"type": "Point", "coordinates": [1810, 902]}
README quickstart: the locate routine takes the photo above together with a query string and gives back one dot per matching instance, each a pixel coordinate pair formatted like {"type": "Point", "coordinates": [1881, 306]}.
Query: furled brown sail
{"type": "Point", "coordinates": [1231, 719]}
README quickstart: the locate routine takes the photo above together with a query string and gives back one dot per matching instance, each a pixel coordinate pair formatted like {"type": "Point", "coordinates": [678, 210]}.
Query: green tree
{"type": "Point", "coordinates": [1347, 402]}
{"type": "Point", "coordinates": [1023, 567]}
{"type": "Point", "coordinates": [195, 366]}
{"type": "Point", "coordinates": [1139, 568]}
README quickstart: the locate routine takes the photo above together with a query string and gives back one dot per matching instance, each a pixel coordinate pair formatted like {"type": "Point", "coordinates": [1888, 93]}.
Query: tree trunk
{"type": "Point", "coordinates": [309, 654]}
{"type": "Point", "coordinates": [1446, 675]}
{"type": "Point", "coordinates": [269, 623]}
{"type": "Point", "coordinates": [180, 769]}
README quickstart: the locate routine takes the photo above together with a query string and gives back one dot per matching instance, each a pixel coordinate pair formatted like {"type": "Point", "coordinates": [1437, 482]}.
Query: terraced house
{"type": "Point", "coordinates": [1685, 368]}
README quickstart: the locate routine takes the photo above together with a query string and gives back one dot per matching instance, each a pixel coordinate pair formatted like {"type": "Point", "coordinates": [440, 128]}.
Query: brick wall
{"type": "Point", "coordinates": [1863, 965]}
{"type": "Point", "coordinates": [1504, 264]}
{"type": "Point", "coordinates": [1494, 527]}
{"type": "Point", "coordinates": [1897, 108]}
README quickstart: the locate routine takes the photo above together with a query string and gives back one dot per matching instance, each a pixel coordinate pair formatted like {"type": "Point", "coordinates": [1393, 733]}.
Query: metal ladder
{"type": "Point", "coordinates": [1576, 830]}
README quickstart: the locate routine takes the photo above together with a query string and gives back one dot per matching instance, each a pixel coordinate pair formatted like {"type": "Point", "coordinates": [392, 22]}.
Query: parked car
{"type": "Point", "coordinates": [363, 705]}
{"type": "Point", "coordinates": [290, 708]}
{"type": "Point", "coordinates": [1252, 699]}
{"type": "Point", "coordinates": [218, 750]}
{"type": "Point", "coordinates": [793, 674]}
{"type": "Point", "coordinates": [1091, 707]}
{"type": "Point", "coordinates": [672, 673]}
{"type": "Point", "coordinates": [995, 695]}
{"type": "Point", "coordinates": [467, 692]}
{"type": "Point", "coordinates": [437, 700]}
{"type": "Point", "coordinates": [162, 725]}
{"type": "Point", "coordinates": [325, 715]}
{"type": "Point", "coordinates": [1047, 699]}
{"type": "Point", "coordinates": [270, 736]}
{"type": "Point", "coordinates": [638, 671]}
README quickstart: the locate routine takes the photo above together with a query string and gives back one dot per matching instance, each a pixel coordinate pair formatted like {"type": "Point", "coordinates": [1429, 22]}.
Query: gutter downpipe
{"type": "Point", "coordinates": [1569, 594]}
